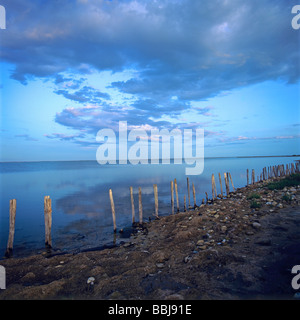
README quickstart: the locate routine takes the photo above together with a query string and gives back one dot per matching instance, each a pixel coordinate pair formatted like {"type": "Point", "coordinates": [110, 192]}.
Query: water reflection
{"type": "Point", "coordinates": [79, 192]}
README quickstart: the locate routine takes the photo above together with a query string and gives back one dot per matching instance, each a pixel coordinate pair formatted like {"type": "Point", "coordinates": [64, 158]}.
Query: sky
{"type": "Point", "coordinates": [70, 68]}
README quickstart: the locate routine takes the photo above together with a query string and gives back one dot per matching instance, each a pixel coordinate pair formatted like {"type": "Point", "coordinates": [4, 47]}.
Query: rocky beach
{"type": "Point", "coordinates": [240, 247]}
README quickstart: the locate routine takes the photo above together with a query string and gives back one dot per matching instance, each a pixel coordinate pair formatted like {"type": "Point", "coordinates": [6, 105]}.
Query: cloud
{"type": "Point", "coordinates": [244, 138]}
{"type": "Point", "coordinates": [180, 52]}
{"type": "Point", "coordinates": [189, 48]}
{"type": "Point", "coordinates": [26, 137]}
{"type": "Point", "coordinates": [84, 95]}
{"type": "Point", "coordinates": [64, 137]}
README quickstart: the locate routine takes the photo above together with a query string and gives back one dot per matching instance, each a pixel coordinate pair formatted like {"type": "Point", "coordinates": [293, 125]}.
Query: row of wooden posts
{"type": "Point", "coordinates": [267, 173]}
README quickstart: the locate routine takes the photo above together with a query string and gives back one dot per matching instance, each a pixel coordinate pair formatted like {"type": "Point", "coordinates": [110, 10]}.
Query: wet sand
{"type": "Point", "coordinates": [224, 250]}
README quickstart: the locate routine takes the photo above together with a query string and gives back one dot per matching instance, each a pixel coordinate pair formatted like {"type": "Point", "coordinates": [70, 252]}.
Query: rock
{"type": "Point", "coordinates": [187, 259]}
{"type": "Point", "coordinates": [256, 225]}
{"type": "Point", "coordinates": [200, 242]}
{"type": "Point", "coordinates": [280, 205]}
{"type": "Point", "coordinates": [174, 296]}
{"type": "Point", "coordinates": [203, 247]}
{"type": "Point", "coordinates": [160, 265]}
{"type": "Point", "coordinates": [116, 295]}
{"type": "Point", "coordinates": [90, 280]}
{"type": "Point", "coordinates": [223, 229]}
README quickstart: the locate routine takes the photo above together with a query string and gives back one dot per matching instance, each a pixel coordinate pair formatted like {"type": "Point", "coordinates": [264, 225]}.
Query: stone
{"type": "Point", "coordinates": [90, 280]}
{"type": "Point", "coordinates": [160, 265]}
{"type": "Point", "coordinates": [175, 296]}
{"type": "Point", "coordinates": [200, 242]}
{"type": "Point", "coordinates": [223, 228]}
{"type": "Point", "coordinates": [256, 225]}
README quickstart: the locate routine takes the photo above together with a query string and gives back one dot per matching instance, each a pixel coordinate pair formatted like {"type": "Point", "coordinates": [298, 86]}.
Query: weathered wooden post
{"type": "Point", "coordinates": [253, 176]}
{"type": "Point", "coordinates": [140, 207]}
{"type": "Point", "coordinates": [226, 184]}
{"type": "Point", "coordinates": [176, 193]}
{"type": "Point", "coordinates": [231, 182]}
{"type": "Point", "coordinates": [112, 204]}
{"type": "Point", "coordinates": [48, 221]}
{"type": "Point", "coordinates": [221, 185]}
{"type": "Point", "coordinates": [172, 196]}
{"type": "Point", "coordinates": [156, 200]}
{"type": "Point", "coordinates": [247, 177]}
{"type": "Point", "coordinates": [188, 190]}
{"type": "Point", "coordinates": [212, 186]}
{"type": "Point", "coordinates": [132, 205]}
{"type": "Point", "coordinates": [12, 221]}
{"type": "Point", "coordinates": [184, 203]}
{"type": "Point", "coordinates": [194, 195]}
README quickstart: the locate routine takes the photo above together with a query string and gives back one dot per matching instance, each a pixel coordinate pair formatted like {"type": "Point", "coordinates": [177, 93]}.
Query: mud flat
{"type": "Point", "coordinates": [240, 247]}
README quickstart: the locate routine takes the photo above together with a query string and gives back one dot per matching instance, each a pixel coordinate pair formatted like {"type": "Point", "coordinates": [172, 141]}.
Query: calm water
{"type": "Point", "coordinates": [80, 202]}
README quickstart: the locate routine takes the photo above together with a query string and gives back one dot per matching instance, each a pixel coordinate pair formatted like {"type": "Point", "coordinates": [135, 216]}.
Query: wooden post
{"type": "Point", "coordinates": [176, 193]}
{"type": "Point", "coordinates": [140, 207]}
{"type": "Point", "coordinates": [112, 204]}
{"type": "Point", "coordinates": [247, 177]}
{"type": "Point", "coordinates": [48, 221]}
{"type": "Point", "coordinates": [226, 184]}
{"type": "Point", "coordinates": [206, 197]}
{"type": "Point", "coordinates": [156, 200]}
{"type": "Point", "coordinates": [12, 220]}
{"type": "Point", "coordinates": [194, 195]}
{"type": "Point", "coordinates": [231, 182]}
{"type": "Point", "coordinates": [215, 186]}
{"type": "Point", "coordinates": [132, 205]}
{"type": "Point", "coordinates": [212, 186]}
{"type": "Point", "coordinates": [184, 201]}
{"type": "Point", "coordinates": [253, 176]}
{"type": "Point", "coordinates": [172, 197]}
{"type": "Point", "coordinates": [221, 185]}
{"type": "Point", "coordinates": [188, 190]}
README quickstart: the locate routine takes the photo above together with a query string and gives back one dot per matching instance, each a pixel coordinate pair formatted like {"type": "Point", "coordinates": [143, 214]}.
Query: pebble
{"type": "Point", "coordinates": [160, 265]}
{"type": "Point", "coordinates": [223, 228]}
{"type": "Point", "coordinates": [256, 225]}
{"type": "Point", "coordinates": [90, 280]}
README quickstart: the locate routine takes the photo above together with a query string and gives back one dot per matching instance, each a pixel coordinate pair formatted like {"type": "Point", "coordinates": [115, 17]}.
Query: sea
{"type": "Point", "coordinates": [81, 208]}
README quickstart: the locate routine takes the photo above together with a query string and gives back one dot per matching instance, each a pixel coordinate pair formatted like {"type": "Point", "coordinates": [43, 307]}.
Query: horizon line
{"type": "Point", "coordinates": [220, 157]}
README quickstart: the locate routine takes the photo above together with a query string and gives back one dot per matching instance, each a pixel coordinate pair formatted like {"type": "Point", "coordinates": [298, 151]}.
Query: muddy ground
{"type": "Point", "coordinates": [224, 250]}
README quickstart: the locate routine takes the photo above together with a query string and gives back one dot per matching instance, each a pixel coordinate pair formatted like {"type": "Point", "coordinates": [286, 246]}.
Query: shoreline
{"type": "Point", "coordinates": [223, 250]}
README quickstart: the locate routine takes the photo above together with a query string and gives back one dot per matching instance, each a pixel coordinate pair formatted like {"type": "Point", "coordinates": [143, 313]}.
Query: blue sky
{"type": "Point", "coordinates": [70, 68]}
